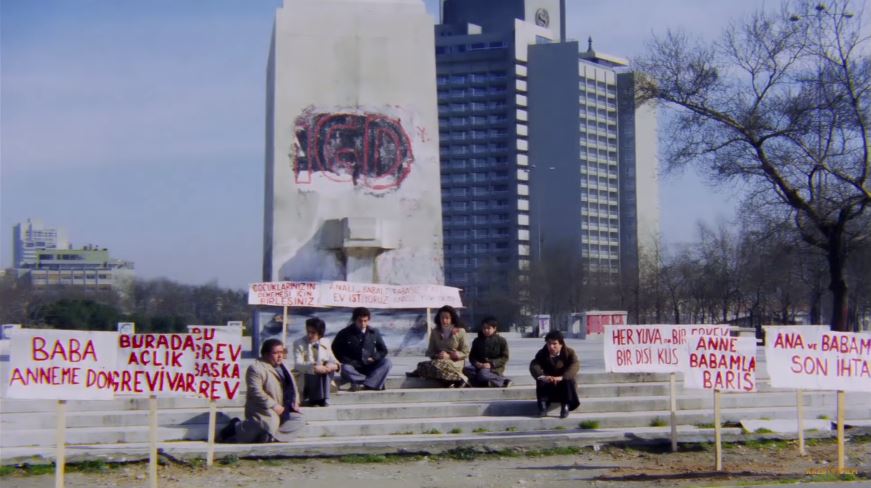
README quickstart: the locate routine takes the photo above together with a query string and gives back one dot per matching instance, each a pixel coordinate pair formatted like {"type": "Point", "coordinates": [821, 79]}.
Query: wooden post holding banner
{"type": "Point", "coordinates": [284, 326]}
{"type": "Point", "coordinates": [718, 447]}
{"type": "Point", "coordinates": [60, 444]}
{"type": "Point", "coordinates": [799, 403]}
{"type": "Point", "coordinates": [841, 400]}
{"type": "Point", "coordinates": [210, 452]}
{"type": "Point", "coordinates": [673, 407]}
{"type": "Point", "coordinates": [152, 441]}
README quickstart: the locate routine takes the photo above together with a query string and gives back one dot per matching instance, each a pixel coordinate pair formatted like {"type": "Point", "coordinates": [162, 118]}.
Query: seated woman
{"type": "Point", "coordinates": [314, 360]}
{"type": "Point", "coordinates": [554, 369]}
{"type": "Point", "coordinates": [447, 350]}
{"type": "Point", "coordinates": [271, 412]}
{"type": "Point", "coordinates": [488, 357]}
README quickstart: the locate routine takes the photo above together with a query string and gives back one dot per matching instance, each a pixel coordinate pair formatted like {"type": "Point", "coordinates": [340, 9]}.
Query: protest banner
{"type": "Point", "coordinates": [652, 348]}
{"type": "Point", "coordinates": [61, 364]}
{"type": "Point", "coordinates": [816, 358]}
{"type": "Point", "coordinates": [157, 364]}
{"type": "Point", "coordinates": [720, 363]}
{"type": "Point", "coordinates": [347, 294]}
{"type": "Point", "coordinates": [217, 368]}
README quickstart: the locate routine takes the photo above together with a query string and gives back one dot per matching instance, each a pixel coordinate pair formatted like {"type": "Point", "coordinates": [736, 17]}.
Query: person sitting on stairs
{"type": "Point", "coordinates": [554, 368]}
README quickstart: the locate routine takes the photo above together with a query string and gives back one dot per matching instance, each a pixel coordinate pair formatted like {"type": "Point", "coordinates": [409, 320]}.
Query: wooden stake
{"type": "Point", "coordinates": [841, 400]}
{"type": "Point", "coordinates": [210, 453]}
{"type": "Point", "coordinates": [673, 395]}
{"type": "Point", "coordinates": [152, 441]}
{"type": "Point", "coordinates": [718, 448]}
{"type": "Point", "coordinates": [60, 444]}
{"type": "Point", "coordinates": [799, 403]}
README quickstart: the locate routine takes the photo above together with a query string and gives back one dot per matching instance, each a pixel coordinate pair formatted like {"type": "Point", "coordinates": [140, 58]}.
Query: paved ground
{"type": "Point", "coordinates": [607, 466]}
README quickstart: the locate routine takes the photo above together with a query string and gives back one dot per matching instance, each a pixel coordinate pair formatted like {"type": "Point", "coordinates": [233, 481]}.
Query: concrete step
{"type": "Point", "coordinates": [498, 406]}
{"type": "Point", "coordinates": [520, 417]}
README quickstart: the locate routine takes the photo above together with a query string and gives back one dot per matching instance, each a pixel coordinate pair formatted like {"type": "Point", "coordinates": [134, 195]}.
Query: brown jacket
{"type": "Point", "coordinates": [566, 365]}
{"type": "Point", "coordinates": [265, 391]}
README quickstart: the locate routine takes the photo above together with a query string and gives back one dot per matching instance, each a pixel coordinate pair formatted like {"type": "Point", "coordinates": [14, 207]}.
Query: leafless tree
{"type": "Point", "coordinates": [782, 103]}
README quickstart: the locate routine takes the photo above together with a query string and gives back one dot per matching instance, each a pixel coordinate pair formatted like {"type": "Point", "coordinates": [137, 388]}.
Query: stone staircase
{"type": "Point", "coordinates": [411, 416]}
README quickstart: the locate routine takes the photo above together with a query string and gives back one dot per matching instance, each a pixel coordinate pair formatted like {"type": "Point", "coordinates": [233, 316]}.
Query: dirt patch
{"type": "Point", "coordinates": [773, 462]}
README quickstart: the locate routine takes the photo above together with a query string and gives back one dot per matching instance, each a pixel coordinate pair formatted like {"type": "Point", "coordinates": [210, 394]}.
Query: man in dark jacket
{"type": "Point", "coordinates": [362, 352]}
{"type": "Point", "coordinates": [488, 357]}
{"type": "Point", "coordinates": [554, 369]}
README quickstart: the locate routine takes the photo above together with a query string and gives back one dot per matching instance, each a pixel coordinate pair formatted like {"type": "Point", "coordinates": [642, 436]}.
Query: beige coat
{"type": "Point", "coordinates": [457, 341]}
{"type": "Point", "coordinates": [264, 391]}
{"type": "Point", "coordinates": [303, 355]}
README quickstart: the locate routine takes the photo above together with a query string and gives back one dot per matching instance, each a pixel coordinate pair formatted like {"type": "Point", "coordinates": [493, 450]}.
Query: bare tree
{"type": "Point", "coordinates": [781, 102]}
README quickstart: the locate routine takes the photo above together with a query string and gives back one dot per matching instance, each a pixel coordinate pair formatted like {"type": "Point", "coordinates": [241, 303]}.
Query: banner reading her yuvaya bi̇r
{"type": "Point", "coordinates": [652, 348]}
{"type": "Point", "coordinates": [816, 358]}
{"type": "Point", "coordinates": [61, 364]}
{"type": "Point", "coordinates": [346, 294]}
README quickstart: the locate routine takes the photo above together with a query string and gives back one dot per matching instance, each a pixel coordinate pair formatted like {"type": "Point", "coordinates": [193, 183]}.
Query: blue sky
{"type": "Point", "coordinates": [139, 126]}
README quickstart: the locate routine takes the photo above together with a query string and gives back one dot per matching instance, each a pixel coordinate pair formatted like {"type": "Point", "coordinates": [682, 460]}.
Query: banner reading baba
{"type": "Point", "coordinates": [61, 364]}
{"type": "Point", "coordinates": [217, 361]}
{"type": "Point", "coordinates": [346, 294]}
{"type": "Point", "coordinates": [816, 358]}
{"type": "Point", "coordinates": [721, 363]}
{"type": "Point", "coordinates": [652, 348]}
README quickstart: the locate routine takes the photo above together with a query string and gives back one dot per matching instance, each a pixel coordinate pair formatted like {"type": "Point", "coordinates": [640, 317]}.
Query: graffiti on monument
{"type": "Point", "coordinates": [369, 150]}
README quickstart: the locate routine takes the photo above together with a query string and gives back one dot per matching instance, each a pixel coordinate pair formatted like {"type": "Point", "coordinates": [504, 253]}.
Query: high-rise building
{"type": "Point", "coordinates": [32, 236]}
{"type": "Point", "coordinates": [44, 257]}
{"type": "Point", "coordinates": [543, 148]}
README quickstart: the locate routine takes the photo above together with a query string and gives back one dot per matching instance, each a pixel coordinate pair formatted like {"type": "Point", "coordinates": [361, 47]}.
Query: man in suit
{"type": "Point", "coordinates": [271, 411]}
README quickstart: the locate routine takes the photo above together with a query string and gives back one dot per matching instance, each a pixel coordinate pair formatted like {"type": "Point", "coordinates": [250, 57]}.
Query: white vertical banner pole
{"type": "Point", "coordinates": [284, 326]}
{"type": "Point", "coordinates": [673, 407]}
{"type": "Point", "coordinates": [210, 453]}
{"type": "Point", "coordinates": [718, 448]}
{"type": "Point", "coordinates": [841, 400]}
{"type": "Point", "coordinates": [799, 404]}
{"type": "Point", "coordinates": [429, 324]}
{"type": "Point", "coordinates": [152, 441]}
{"type": "Point", "coordinates": [60, 444]}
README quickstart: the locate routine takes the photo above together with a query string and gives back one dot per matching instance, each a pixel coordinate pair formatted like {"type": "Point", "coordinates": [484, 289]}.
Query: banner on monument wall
{"type": "Point", "coordinates": [61, 364]}
{"type": "Point", "coordinates": [721, 363]}
{"type": "Point", "coordinates": [817, 358]}
{"type": "Point", "coordinates": [347, 294]}
{"type": "Point", "coordinates": [654, 348]}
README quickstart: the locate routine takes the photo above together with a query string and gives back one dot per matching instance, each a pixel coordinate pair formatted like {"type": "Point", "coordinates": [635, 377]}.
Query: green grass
{"type": "Point", "coordinates": [823, 417]}
{"type": "Point", "coordinates": [7, 470]}
{"type": "Point", "coordinates": [705, 425]}
{"type": "Point", "coordinates": [832, 477]}
{"type": "Point", "coordinates": [432, 431]}
{"type": "Point", "coordinates": [406, 432]}
{"type": "Point", "coordinates": [456, 430]}
{"type": "Point", "coordinates": [93, 466]}
{"type": "Point", "coordinates": [767, 443]}
{"type": "Point", "coordinates": [363, 459]}
{"type": "Point", "coordinates": [658, 422]}
{"type": "Point", "coordinates": [481, 430]}
{"type": "Point", "coordinates": [555, 451]}
{"type": "Point", "coordinates": [589, 425]}
{"type": "Point", "coordinates": [763, 430]}
{"type": "Point", "coordinates": [229, 460]}
{"type": "Point", "coordinates": [511, 429]}
{"type": "Point", "coordinates": [560, 427]}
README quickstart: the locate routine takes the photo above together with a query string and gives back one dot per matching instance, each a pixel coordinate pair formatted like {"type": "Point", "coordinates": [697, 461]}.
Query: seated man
{"type": "Point", "coordinates": [362, 352]}
{"type": "Point", "coordinates": [271, 413]}
{"type": "Point", "coordinates": [314, 360]}
{"type": "Point", "coordinates": [488, 357]}
{"type": "Point", "coordinates": [554, 368]}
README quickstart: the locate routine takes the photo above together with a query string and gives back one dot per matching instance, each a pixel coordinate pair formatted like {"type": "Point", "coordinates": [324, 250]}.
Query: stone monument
{"type": "Point", "coordinates": [352, 170]}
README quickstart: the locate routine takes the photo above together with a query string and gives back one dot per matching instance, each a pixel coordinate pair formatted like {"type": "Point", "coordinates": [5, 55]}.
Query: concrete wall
{"type": "Point", "coordinates": [352, 187]}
